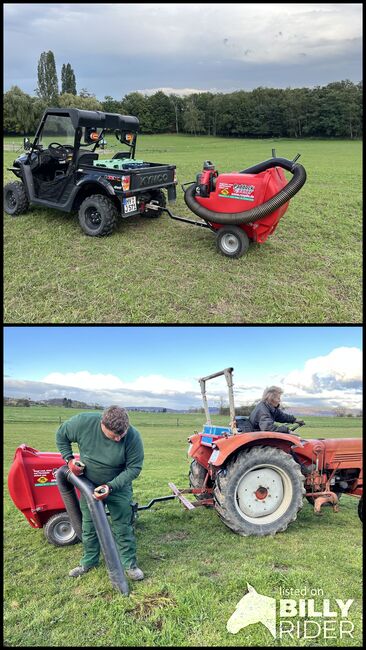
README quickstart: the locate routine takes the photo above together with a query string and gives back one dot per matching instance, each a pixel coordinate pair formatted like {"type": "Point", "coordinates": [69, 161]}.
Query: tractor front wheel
{"type": "Point", "coordinates": [260, 492]}
{"type": "Point", "coordinates": [232, 241]}
{"type": "Point", "coordinates": [197, 476]}
{"type": "Point", "coordinates": [98, 216]}
{"type": "Point", "coordinates": [15, 199]}
{"type": "Point", "coordinates": [311, 500]}
{"type": "Point", "coordinates": [59, 531]}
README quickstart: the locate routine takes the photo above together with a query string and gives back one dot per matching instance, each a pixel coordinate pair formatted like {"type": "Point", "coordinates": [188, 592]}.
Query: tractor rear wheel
{"type": "Point", "coordinates": [197, 475]}
{"type": "Point", "coordinates": [15, 199]}
{"type": "Point", "coordinates": [59, 531]}
{"type": "Point", "coordinates": [98, 216]}
{"type": "Point", "coordinates": [232, 241]}
{"type": "Point", "coordinates": [260, 492]}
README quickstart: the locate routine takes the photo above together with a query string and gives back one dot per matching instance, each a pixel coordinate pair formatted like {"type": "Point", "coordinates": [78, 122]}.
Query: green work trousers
{"type": "Point", "coordinates": [121, 519]}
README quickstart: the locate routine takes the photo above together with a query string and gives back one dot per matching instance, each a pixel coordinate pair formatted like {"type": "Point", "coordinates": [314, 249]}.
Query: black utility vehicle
{"type": "Point", "coordinates": [62, 170]}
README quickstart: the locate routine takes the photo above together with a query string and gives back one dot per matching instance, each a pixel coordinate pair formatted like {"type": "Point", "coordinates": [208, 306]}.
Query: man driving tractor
{"type": "Point", "coordinates": [112, 452]}
{"type": "Point", "coordinates": [267, 412]}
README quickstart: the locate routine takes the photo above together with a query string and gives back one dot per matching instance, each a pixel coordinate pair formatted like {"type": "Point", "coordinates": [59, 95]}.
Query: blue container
{"type": "Point", "coordinates": [215, 431]}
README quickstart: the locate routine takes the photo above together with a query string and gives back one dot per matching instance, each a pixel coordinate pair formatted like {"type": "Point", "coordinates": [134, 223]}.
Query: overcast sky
{"type": "Point", "coordinates": [317, 367]}
{"type": "Point", "coordinates": [118, 48]}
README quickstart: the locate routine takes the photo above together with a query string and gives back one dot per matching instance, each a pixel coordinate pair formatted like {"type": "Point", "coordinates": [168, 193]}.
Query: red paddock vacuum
{"type": "Point", "coordinates": [242, 207]}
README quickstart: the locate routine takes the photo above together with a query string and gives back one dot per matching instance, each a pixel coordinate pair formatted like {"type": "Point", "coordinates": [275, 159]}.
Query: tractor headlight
{"type": "Point", "coordinates": [214, 456]}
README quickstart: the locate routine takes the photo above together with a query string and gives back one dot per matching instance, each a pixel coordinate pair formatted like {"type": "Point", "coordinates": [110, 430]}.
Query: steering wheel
{"type": "Point", "coordinates": [58, 150]}
{"type": "Point", "coordinates": [297, 425]}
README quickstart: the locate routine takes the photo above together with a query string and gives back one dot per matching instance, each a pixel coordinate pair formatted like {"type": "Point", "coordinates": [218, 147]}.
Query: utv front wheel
{"type": "Point", "coordinates": [260, 492]}
{"type": "Point", "coordinates": [15, 199]}
{"type": "Point", "coordinates": [98, 216]}
{"type": "Point", "coordinates": [59, 531]}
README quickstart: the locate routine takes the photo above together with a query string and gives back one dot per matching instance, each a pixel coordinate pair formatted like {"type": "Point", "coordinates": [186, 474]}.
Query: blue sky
{"type": "Point", "coordinates": [117, 48]}
{"type": "Point", "coordinates": [160, 365]}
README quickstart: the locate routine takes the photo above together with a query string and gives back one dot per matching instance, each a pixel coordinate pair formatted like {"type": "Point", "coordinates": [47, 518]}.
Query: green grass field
{"type": "Point", "coordinates": [196, 568]}
{"type": "Point", "coordinates": [163, 271]}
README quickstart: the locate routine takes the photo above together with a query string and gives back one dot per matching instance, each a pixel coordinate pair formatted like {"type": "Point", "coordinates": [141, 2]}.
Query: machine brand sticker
{"type": "Point", "coordinates": [44, 477]}
{"type": "Point", "coordinates": [236, 191]}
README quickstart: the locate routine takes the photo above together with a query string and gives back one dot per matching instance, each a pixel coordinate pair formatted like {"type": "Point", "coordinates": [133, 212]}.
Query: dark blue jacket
{"type": "Point", "coordinates": [264, 416]}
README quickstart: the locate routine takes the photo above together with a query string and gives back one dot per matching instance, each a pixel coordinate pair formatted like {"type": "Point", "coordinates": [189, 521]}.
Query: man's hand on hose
{"type": "Point", "coordinates": [76, 466]}
{"type": "Point", "coordinates": [101, 492]}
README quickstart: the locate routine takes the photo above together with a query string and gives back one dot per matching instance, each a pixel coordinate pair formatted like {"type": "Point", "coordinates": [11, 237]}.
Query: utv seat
{"type": "Point", "coordinates": [86, 157]}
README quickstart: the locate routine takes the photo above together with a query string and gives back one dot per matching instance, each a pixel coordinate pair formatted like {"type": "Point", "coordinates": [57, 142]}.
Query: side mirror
{"type": "Point", "coordinates": [26, 144]}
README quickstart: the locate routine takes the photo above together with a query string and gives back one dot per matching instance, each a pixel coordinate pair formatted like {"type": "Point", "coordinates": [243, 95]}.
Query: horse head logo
{"type": "Point", "coordinates": [253, 608]}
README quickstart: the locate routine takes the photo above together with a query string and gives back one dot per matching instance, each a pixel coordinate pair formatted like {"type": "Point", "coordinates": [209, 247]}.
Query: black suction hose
{"type": "Point", "coordinates": [70, 500]}
{"type": "Point", "coordinates": [261, 211]}
{"type": "Point", "coordinates": [99, 517]}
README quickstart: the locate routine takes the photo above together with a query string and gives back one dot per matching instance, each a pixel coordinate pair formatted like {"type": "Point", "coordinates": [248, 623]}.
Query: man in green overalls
{"type": "Point", "coordinates": [113, 453]}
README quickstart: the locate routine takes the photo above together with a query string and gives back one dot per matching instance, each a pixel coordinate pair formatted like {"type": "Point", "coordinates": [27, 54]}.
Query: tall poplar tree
{"type": "Point", "coordinates": [47, 78]}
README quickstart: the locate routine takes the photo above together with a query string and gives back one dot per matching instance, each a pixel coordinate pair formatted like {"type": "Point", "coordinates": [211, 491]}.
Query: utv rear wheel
{"type": "Point", "coordinates": [15, 199]}
{"type": "Point", "coordinates": [59, 531]}
{"type": "Point", "coordinates": [155, 196]}
{"type": "Point", "coordinates": [98, 216]}
{"type": "Point", "coordinates": [260, 492]}
{"type": "Point", "coordinates": [232, 241]}
{"type": "Point", "coordinates": [197, 475]}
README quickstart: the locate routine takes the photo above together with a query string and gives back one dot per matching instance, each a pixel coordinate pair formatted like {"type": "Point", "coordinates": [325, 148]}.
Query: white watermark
{"type": "Point", "coordinates": [316, 616]}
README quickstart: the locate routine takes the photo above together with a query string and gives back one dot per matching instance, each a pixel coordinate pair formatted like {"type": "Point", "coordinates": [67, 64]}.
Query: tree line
{"type": "Point", "coordinates": [331, 111]}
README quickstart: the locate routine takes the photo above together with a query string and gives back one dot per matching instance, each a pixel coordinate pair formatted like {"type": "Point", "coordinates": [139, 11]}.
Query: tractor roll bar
{"type": "Point", "coordinates": [228, 372]}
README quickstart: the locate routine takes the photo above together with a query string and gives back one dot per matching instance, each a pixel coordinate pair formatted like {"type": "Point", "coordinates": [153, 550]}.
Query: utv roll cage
{"type": "Point", "coordinates": [120, 124]}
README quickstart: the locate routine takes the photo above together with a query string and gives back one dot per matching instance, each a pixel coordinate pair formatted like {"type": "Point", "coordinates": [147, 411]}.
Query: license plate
{"type": "Point", "coordinates": [129, 205]}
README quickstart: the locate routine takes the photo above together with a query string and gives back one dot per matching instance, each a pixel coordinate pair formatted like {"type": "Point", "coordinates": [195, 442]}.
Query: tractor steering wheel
{"type": "Point", "coordinates": [297, 425]}
{"type": "Point", "coordinates": [58, 151]}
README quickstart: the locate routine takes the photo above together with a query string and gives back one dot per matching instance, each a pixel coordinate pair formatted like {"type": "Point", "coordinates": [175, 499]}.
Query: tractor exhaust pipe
{"type": "Point", "coordinates": [261, 211]}
{"type": "Point", "coordinates": [99, 517]}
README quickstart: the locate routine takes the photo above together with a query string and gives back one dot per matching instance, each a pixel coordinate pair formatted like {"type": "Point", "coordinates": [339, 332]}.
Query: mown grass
{"type": "Point", "coordinates": [196, 568]}
{"type": "Point", "coordinates": [163, 271]}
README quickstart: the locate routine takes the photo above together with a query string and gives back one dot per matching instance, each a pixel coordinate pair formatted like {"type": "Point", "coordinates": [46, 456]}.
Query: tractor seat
{"type": "Point", "coordinates": [86, 157]}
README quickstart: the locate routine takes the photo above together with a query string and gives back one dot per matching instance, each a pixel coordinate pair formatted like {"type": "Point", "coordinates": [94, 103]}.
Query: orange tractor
{"type": "Point", "coordinates": [257, 480]}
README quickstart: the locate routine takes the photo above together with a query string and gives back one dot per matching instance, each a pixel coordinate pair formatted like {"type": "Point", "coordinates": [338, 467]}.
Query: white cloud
{"type": "Point", "coordinates": [340, 369]}
{"type": "Point", "coordinates": [154, 384]}
{"type": "Point", "coordinates": [84, 379]}
{"type": "Point", "coordinates": [181, 92]}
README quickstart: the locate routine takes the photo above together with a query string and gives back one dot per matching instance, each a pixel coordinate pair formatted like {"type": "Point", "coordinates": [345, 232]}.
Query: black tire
{"type": "Point", "coordinates": [15, 199]}
{"type": "Point", "coordinates": [232, 241]}
{"type": "Point", "coordinates": [98, 216]}
{"type": "Point", "coordinates": [243, 512]}
{"type": "Point", "coordinates": [359, 509]}
{"type": "Point", "coordinates": [59, 531]}
{"type": "Point", "coordinates": [197, 475]}
{"type": "Point", "coordinates": [155, 196]}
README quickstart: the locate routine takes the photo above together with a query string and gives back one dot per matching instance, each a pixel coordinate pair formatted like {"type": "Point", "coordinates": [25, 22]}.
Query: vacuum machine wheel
{"type": "Point", "coordinates": [232, 241]}
{"type": "Point", "coordinates": [59, 531]}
